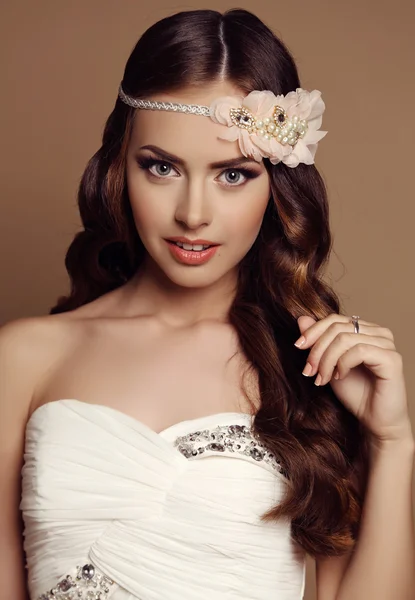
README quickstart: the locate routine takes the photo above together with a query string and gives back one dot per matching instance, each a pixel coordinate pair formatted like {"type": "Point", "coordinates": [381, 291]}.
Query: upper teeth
{"type": "Point", "coordinates": [191, 246]}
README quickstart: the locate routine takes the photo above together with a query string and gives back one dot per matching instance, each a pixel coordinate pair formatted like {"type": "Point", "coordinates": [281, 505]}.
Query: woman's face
{"type": "Point", "coordinates": [186, 186]}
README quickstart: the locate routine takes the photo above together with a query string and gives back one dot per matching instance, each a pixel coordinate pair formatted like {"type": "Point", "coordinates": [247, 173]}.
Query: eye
{"type": "Point", "coordinates": [156, 168]}
{"type": "Point", "coordinates": [160, 169]}
{"type": "Point", "coordinates": [237, 177]}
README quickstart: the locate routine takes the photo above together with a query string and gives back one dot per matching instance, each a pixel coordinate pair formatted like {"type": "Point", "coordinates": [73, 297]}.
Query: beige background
{"type": "Point", "coordinates": [61, 66]}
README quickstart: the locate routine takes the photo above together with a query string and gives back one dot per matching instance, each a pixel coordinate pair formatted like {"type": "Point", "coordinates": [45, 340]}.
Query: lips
{"type": "Point", "coordinates": [187, 241]}
{"type": "Point", "coordinates": [191, 252]}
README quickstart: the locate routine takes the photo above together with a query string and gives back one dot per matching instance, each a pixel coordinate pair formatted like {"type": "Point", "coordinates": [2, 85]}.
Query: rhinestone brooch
{"type": "Point", "coordinates": [87, 584]}
{"type": "Point", "coordinates": [225, 438]}
{"type": "Point", "coordinates": [285, 130]}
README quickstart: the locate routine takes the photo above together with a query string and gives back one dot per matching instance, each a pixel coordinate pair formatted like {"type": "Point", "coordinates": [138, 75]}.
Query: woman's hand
{"type": "Point", "coordinates": [370, 380]}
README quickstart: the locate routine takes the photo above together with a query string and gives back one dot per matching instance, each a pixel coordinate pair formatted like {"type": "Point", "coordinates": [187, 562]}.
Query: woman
{"type": "Point", "coordinates": [172, 447]}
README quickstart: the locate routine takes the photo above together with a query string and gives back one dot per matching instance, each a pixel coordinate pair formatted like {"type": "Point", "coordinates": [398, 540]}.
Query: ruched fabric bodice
{"type": "Point", "coordinates": [140, 515]}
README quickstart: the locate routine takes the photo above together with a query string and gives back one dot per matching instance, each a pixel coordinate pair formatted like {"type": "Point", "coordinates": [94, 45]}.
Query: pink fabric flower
{"type": "Point", "coordinates": [259, 142]}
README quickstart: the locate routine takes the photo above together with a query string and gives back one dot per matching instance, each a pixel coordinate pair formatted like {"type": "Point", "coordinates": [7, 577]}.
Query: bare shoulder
{"type": "Point", "coordinates": [20, 337]}
{"type": "Point", "coordinates": [28, 348]}
{"type": "Point", "coordinates": [15, 335]}
{"type": "Point", "coordinates": [20, 342]}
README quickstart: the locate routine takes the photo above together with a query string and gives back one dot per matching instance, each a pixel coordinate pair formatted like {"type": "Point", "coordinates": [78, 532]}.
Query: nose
{"type": "Point", "coordinates": [193, 209]}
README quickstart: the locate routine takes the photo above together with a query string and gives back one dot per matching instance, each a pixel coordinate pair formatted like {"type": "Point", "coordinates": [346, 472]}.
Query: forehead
{"type": "Point", "coordinates": [192, 137]}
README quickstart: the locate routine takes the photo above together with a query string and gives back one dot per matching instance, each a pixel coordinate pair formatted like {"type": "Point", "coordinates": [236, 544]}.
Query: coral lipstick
{"type": "Point", "coordinates": [191, 257]}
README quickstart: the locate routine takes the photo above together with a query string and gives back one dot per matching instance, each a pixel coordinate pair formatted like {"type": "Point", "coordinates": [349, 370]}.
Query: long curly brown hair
{"type": "Point", "coordinates": [320, 445]}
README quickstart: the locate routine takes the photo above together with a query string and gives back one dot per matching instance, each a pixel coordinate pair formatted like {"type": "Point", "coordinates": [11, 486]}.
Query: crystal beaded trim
{"type": "Point", "coordinates": [193, 109]}
{"type": "Point", "coordinates": [225, 439]}
{"type": "Point", "coordinates": [88, 583]}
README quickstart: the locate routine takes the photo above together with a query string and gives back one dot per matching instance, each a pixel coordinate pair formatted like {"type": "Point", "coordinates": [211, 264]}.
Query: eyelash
{"type": "Point", "coordinates": [146, 163]}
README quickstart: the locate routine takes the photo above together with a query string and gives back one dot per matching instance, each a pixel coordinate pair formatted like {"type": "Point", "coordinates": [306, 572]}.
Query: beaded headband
{"type": "Point", "coordinates": [280, 128]}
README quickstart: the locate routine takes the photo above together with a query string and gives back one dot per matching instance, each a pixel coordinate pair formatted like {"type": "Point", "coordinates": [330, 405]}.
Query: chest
{"type": "Point", "coordinates": [158, 377]}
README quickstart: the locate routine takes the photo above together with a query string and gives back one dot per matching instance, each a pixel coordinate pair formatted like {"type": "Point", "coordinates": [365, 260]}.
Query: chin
{"type": "Point", "coordinates": [192, 277]}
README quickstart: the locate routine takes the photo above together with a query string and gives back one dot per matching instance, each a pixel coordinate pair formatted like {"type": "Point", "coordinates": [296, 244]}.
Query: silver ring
{"type": "Point", "coordinates": [355, 321]}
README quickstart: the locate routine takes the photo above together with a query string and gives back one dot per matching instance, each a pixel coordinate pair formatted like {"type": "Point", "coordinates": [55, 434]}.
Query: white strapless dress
{"type": "Point", "coordinates": [113, 509]}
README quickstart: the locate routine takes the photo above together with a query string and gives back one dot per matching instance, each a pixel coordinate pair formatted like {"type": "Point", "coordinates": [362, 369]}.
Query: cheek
{"type": "Point", "coordinates": [246, 225]}
{"type": "Point", "coordinates": [149, 207]}
{"type": "Point", "coordinates": [146, 214]}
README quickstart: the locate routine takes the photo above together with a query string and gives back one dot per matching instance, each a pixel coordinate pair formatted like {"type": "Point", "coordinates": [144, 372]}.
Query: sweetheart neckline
{"type": "Point", "coordinates": [122, 414]}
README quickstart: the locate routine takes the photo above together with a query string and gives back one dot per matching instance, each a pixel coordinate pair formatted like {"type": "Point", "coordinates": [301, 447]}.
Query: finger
{"type": "Point", "coordinates": [383, 362]}
{"type": "Point", "coordinates": [346, 329]}
{"type": "Point", "coordinates": [316, 331]}
{"type": "Point", "coordinates": [341, 345]}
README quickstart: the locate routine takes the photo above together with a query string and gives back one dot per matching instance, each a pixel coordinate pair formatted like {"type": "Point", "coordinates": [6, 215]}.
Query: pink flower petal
{"type": "Point", "coordinates": [260, 103]}
{"type": "Point", "coordinates": [317, 105]}
{"type": "Point", "coordinates": [312, 137]}
{"type": "Point", "coordinates": [299, 154]}
{"type": "Point", "coordinates": [312, 148]}
{"type": "Point", "coordinates": [278, 151]}
{"type": "Point", "coordinates": [272, 149]}
{"type": "Point", "coordinates": [298, 103]}
{"type": "Point", "coordinates": [291, 160]}
{"type": "Point", "coordinates": [261, 142]}
{"type": "Point", "coordinates": [247, 146]}
{"type": "Point", "coordinates": [315, 123]}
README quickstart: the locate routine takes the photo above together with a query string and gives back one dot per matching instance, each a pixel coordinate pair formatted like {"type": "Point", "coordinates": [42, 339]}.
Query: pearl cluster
{"type": "Point", "coordinates": [86, 584]}
{"type": "Point", "coordinates": [280, 127]}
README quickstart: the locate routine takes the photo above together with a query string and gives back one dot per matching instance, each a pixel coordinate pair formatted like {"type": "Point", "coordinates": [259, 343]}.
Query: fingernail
{"type": "Point", "coordinates": [318, 380]}
{"type": "Point", "coordinates": [300, 342]}
{"type": "Point", "coordinates": [336, 374]}
{"type": "Point", "coordinates": [307, 369]}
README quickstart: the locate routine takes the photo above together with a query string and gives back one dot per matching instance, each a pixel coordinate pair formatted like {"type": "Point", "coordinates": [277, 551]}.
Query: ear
{"type": "Point", "coordinates": [304, 322]}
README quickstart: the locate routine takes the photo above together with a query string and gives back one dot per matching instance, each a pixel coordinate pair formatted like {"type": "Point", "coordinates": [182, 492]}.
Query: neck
{"type": "Point", "coordinates": [151, 293]}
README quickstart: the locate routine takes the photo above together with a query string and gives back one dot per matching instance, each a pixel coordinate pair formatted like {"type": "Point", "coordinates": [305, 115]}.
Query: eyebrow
{"type": "Point", "coordinates": [222, 164]}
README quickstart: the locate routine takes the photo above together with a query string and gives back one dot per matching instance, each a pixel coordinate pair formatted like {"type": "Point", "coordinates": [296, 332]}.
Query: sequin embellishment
{"type": "Point", "coordinates": [224, 439]}
{"type": "Point", "coordinates": [88, 583]}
